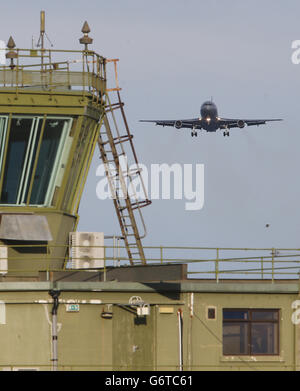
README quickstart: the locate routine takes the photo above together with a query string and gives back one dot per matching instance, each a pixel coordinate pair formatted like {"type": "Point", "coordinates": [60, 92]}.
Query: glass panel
{"type": "Point", "coordinates": [235, 338]}
{"type": "Point", "coordinates": [264, 315]}
{"type": "Point", "coordinates": [50, 142]}
{"type": "Point", "coordinates": [235, 314]}
{"type": "Point", "coordinates": [264, 338]}
{"type": "Point", "coordinates": [16, 152]}
{"type": "Point", "coordinates": [3, 129]}
{"type": "Point", "coordinates": [30, 159]}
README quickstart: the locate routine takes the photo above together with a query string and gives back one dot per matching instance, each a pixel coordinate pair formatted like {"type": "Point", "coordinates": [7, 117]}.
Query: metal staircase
{"type": "Point", "coordinates": [116, 147]}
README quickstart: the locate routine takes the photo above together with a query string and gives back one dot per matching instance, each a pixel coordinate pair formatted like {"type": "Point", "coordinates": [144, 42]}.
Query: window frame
{"type": "Point", "coordinates": [249, 321]}
{"type": "Point", "coordinates": [26, 175]}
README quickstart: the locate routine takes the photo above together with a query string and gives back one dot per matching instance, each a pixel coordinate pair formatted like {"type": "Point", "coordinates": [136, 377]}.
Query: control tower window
{"type": "Point", "coordinates": [16, 151]}
{"type": "Point", "coordinates": [33, 154]}
{"type": "Point", "coordinates": [50, 143]}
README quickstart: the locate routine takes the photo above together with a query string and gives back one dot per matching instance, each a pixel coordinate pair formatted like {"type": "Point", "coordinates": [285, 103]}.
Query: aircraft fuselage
{"type": "Point", "coordinates": [209, 116]}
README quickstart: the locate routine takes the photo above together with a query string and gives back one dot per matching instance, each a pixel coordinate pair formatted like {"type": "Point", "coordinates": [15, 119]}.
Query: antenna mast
{"type": "Point", "coordinates": [42, 29]}
{"type": "Point", "coordinates": [41, 41]}
{"type": "Point", "coordinates": [41, 38]}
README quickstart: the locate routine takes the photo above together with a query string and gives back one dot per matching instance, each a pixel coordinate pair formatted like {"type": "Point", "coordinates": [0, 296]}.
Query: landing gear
{"type": "Point", "coordinates": [226, 133]}
{"type": "Point", "coordinates": [194, 133]}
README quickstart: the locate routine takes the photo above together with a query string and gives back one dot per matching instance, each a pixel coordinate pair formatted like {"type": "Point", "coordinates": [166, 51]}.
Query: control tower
{"type": "Point", "coordinates": [52, 106]}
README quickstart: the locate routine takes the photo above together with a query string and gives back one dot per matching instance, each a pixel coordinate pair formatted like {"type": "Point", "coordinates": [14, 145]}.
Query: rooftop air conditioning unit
{"type": "Point", "coordinates": [87, 250]}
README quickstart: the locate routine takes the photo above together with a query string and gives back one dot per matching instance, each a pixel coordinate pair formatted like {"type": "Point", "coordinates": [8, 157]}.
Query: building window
{"type": "Point", "coordinates": [34, 150]}
{"type": "Point", "coordinates": [250, 332]}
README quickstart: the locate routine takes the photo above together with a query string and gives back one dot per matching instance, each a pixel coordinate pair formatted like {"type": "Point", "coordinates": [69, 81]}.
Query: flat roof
{"type": "Point", "coordinates": [238, 286]}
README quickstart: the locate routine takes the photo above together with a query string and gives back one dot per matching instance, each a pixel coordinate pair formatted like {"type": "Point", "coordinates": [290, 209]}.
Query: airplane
{"type": "Point", "coordinates": [210, 121]}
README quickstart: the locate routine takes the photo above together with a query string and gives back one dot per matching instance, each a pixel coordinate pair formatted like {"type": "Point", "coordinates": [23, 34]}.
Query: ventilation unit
{"type": "Point", "coordinates": [87, 250]}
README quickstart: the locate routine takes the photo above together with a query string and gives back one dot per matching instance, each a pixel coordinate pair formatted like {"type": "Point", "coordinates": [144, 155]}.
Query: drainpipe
{"type": "Point", "coordinates": [55, 295]}
{"type": "Point", "coordinates": [190, 331]}
{"type": "Point", "coordinates": [179, 316]}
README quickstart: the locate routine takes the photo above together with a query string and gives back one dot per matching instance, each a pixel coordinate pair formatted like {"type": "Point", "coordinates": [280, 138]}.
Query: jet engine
{"type": "Point", "coordinates": [178, 124]}
{"type": "Point", "coordinates": [241, 123]}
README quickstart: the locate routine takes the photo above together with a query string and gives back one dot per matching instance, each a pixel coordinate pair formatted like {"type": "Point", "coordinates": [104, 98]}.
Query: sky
{"type": "Point", "coordinates": [174, 55]}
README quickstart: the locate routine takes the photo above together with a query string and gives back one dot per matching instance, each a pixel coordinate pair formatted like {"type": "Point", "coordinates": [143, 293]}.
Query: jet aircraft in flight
{"type": "Point", "coordinates": [210, 121]}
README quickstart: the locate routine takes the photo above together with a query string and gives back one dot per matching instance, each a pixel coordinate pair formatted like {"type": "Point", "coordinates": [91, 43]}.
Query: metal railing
{"type": "Point", "coordinates": [203, 262]}
{"type": "Point", "coordinates": [50, 69]}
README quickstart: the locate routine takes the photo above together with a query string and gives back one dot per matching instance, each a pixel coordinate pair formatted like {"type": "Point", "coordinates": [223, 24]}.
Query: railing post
{"type": "Point", "coordinates": [83, 75]}
{"type": "Point", "coordinates": [17, 74]}
{"type": "Point", "coordinates": [262, 267]}
{"type": "Point", "coordinates": [161, 255]}
{"type": "Point", "coordinates": [104, 274]}
{"type": "Point", "coordinates": [118, 253]}
{"type": "Point", "coordinates": [273, 252]}
{"type": "Point", "coordinates": [217, 266]}
{"type": "Point", "coordinates": [114, 251]}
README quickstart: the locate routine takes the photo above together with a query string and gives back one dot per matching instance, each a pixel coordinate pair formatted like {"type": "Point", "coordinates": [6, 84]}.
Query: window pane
{"type": "Point", "coordinates": [264, 315]}
{"type": "Point", "coordinates": [30, 162]}
{"type": "Point", "coordinates": [3, 128]}
{"type": "Point", "coordinates": [235, 314]}
{"type": "Point", "coordinates": [235, 338]}
{"type": "Point", "coordinates": [50, 142]}
{"type": "Point", "coordinates": [264, 338]}
{"type": "Point", "coordinates": [18, 142]}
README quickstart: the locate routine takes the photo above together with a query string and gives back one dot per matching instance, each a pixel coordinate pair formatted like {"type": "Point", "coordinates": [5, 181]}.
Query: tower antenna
{"type": "Point", "coordinates": [41, 41]}
{"type": "Point", "coordinates": [43, 34]}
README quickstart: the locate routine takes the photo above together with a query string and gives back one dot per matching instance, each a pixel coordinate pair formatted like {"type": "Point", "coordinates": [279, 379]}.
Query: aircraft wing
{"type": "Point", "coordinates": [193, 123]}
{"type": "Point", "coordinates": [240, 123]}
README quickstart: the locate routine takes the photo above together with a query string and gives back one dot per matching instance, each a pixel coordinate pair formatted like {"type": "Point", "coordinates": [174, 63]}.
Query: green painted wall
{"type": "Point", "coordinates": [206, 342]}
{"type": "Point", "coordinates": [87, 341]}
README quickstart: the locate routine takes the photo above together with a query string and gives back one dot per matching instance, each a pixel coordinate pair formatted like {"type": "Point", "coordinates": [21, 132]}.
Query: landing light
{"type": "Point", "coordinates": [208, 119]}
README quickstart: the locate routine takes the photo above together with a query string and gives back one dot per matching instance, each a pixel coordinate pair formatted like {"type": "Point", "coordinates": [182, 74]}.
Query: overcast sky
{"type": "Point", "coordinates": [173, 56]}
